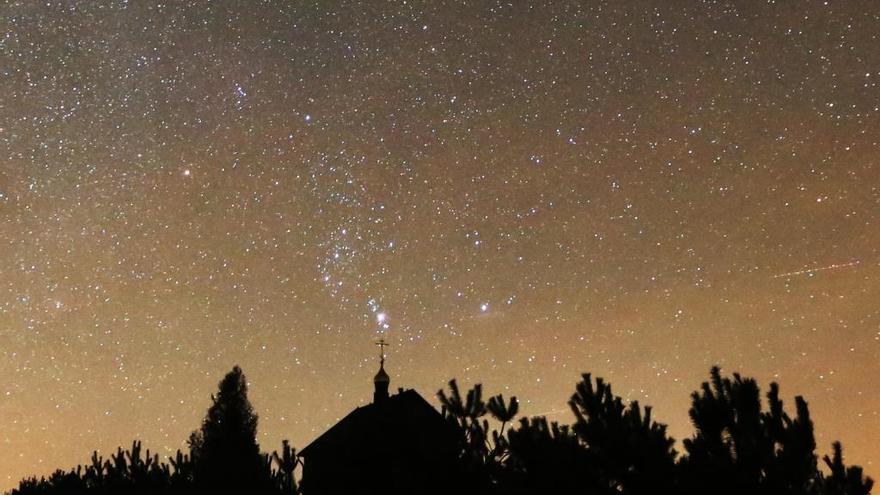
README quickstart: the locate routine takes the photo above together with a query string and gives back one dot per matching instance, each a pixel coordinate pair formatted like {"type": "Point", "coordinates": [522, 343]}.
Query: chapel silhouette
{"type": "Point", "coordinates": [399, 444]}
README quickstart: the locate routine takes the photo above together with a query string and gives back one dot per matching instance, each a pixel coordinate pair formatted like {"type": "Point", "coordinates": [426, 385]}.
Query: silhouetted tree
{"type": "Point", "coordinates": [843, 480]}
{"type": "Point", "coordinates": [225, 451]}
{"type": "Point", "coordinates": [631, 453]}
{"type": "Point", "coordinates": [729, 448]}
{"type": "Point", "coordinates": [180, 471]}
{"type": "Point", "coordinates": [286, 462]}
{"type": "Point", "coordinates": [737, 448]}
{"type": "Point", "coordinates": [483, 452]}
{"type": "Point", "coordinates": [224, 458]}
{"type": "Point", "coordinates": [791, 467]}
{"type": "Point", "coordinates": [611, 449]}
{"type": "Point", "coordinates": [465, 414]}
{"type": "Point", "coordinates": [547, 458]}
{"type": "Point", "coordinates": [503, 412]}
{"type": "Point", "coordinates": [127, 471]}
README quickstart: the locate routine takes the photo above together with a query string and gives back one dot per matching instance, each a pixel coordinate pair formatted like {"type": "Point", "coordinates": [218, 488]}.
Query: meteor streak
{"type": "Point", "coordinates": [811, 271]}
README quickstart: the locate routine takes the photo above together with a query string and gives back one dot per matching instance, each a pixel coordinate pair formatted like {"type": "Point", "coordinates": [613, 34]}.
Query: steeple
{"type": "Point", "coordinates": [381, 380]}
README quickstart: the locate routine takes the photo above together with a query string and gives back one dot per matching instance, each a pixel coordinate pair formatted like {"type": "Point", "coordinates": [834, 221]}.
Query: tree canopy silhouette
{"type": "Point", "coordinates": [630, 452]}
{"type": "Point", "coordinates": [612, 447]}
{"type": "Point", "coordinates": [739, 448]}
{"type": "Point", "coordinates": [224, 457]}
{"type": "Point", "coordinates": [225, 452]}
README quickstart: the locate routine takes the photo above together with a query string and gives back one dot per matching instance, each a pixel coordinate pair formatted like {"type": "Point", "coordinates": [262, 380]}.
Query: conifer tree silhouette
{"type": "Point", "coordinates": [737, 448]}
{"type": "Point", "coordinates": [482, 453]}
{"type": "Point", "coordinates": [843, 480]}
{"type": "Point", "coordinates": [503, 412]}
{"type": "Point", "coordinates": [225, 452]}
{"type": "Point", "coordinates": [224, 458]}
{"type": "Point", "coordinates": [465, 414]}
{"type": "Point", "coordinates": [791, 467]}
{"type": "Point", "coordinates": [547, 458]}
{"type": "Point", "coordinates": [725, 453]}
{"type": "Point", "coordinates": [631, 453]}
{"type": "Point", "coordinates": [286, 462]}
{"type": "Point", "coordinates": [126, 471]}
{"type": "Point", "coordinates": [611, 449]}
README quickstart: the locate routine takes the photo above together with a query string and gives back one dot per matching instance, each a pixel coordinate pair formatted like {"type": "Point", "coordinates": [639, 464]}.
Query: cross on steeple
{"type": "Point", "coordinates": [382, 345]}
{"type": "Point", "coordinates": [382, 379]}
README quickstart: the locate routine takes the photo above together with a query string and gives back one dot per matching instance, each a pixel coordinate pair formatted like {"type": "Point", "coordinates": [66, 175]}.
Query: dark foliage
{"type": "Point", "coordinates": [127, 471]}
{"type": "Point", "coordinates": [224, 458]}
{"type": "Point", "coordinates": [547, 458]}
{"type": "Point", "coordinates": [842, 480]}
{"type": "Point", "coordinates": [478, 460]}
{"type": "Point", "coordinates": [616, 448]}
{"type": "Point", "coordinates": [225, 452]}
{"type": "Point", "coordinates": [737, 448]}
{"type": "Point", "coordinates": [611, 448]}
{"type": "Point", "coordinates": [628, 451]}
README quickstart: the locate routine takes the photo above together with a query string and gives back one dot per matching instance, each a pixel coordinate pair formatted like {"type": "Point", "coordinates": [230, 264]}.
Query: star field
{"type": "Point", "coordinates": [509, 193]}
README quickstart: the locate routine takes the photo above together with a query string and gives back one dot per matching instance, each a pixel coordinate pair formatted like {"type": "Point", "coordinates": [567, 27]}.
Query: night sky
{"type": "Point", "coordinates": [509, 193]}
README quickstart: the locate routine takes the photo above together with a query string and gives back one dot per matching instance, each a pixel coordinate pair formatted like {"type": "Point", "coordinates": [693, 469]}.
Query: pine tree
{"type": "Point", "coordinates": [843, 479]}
{"type": "Point", "coordinates": [629, 451]}
{"type": "Point", "coordinates": [548, 458]}
{"type": "Point", "coordinates": [225, 451]}
{"type": "Point", "coordinates": [287, 462]}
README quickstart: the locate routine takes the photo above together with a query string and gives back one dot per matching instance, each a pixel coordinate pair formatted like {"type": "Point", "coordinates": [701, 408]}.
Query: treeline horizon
{"type": "Point", "coordinates": [738, 446]}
